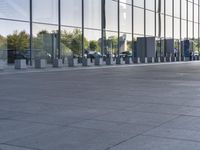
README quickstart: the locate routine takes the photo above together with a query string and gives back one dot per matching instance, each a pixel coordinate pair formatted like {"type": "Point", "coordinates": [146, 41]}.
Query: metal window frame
{"type": "Point", "coordinates": [133, 32]}
{"type": "Point", "coordinates": [31, 31]}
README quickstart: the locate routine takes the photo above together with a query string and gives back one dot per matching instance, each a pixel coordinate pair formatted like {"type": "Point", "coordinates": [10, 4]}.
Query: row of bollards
{"type": "Point", "coordinates": [98, 61]}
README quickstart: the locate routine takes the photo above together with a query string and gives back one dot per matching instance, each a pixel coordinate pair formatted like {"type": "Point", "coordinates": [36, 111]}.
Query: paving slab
{"type": "Point", "coordinates": [153, 119]}
{"type": "Point", "coordinates": [72, 139]}
{"type": "Point", "coordinates": [140, 107]}
{"type": "Point", "coordinates": [11, 129]}
{"type": "Point", "coordinates": [10, 147]}
{"type": "Point", "coordinates": [156, 143]}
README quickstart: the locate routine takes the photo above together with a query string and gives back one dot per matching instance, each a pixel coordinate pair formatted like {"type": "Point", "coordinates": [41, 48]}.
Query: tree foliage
{"type": "Point", "coordinates": [2, 43]}
{"type": "Point", "coordinates": [73, 41]}
{"type": "Point", "coordinates": [18, 41]}
{"type": "Point", "coordinates": [94, 46]}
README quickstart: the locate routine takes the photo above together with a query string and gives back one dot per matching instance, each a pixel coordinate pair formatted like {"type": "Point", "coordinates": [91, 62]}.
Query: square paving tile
{"type": "Point", "coordinates": [154, 143]}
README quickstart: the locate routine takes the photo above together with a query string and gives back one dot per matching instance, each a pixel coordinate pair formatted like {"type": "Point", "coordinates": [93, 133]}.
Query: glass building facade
{"type": "Point", "coordinates": [57, 28]}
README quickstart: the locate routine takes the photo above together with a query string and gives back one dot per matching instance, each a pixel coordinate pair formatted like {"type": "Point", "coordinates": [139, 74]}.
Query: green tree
{"type": "Point", "coordinates": [18, 41]}
{"type": "Point", "coordinates": [112, 44]}
{"type": "Point", "coordinates": [94, 46]}
{"type": "Point", "coordinates": [73, 41]}
{"type": "Point", "coordinates": [2, 42]}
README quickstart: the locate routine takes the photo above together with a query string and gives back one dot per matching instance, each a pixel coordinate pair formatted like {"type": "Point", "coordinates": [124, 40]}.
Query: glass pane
{"type": "Point", "coordinates": [125, 43]}
{"type": "Point", "coordinates": [150, 4]}
{"type": "Point", "coordinates": [71, 41]}
{"type": "Point", "coordinates": [177, 8]}
{"type": "Point", "coordinates": [45, 39]}
{"type": "Point", "coordinates": [15, 9]}
{"type": "Point", "coordinates": [138, 20]}
{"type": "Point", "coordinates": [14, 40]}
{"type": "Point", "coordinates": [71, 12]}
{"type": "Point", "coordinates": [93, 38]}
{"type": "Point", "coordinates": [150, 23]}
{"type": "Point", "coordinates": [168, 27]}
{"type": "Point", "coordinates": [45, 11]}
{"type": "Point", "coordinates": [125, 18]}
{"type": "Point", "coordinates": [111, 18]}
{"type": "Point", "coordinates": [139, 3]}
{"type": "Point", "coordinates": [92, 14]}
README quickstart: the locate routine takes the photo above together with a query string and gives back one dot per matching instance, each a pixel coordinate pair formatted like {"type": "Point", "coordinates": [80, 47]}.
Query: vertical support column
{"type": "Point", "coordinates": [198, 26]}
{"type": "Point", "coordinates": [173, 35]}
{"type": "Point", "coordinates": [155, 19]}
{"type": "Point", "coordinates": [31, 31]}
{"type": "Point", "coordinates": [155, 25]}
{"type": "Point", "coordinates": [165, 50]}
{"type": "Point", "coordinates": [193, 26]}
{"type": "Point", "coordinates": [145, 41]}
{"type": "Point", "coordinates": [159, 24]}
{"type": "Point", "coordinates": [103, 26]}
{"type": "Point", "coordinates": [59, 29]}
{"type": "Point", "coordinates": [173, 19]}
{"type": "Point", "coordinates": [187, 20]}
{"type": "Point", "coordinates": [180, 50]}
{"type": "Point", "coordinates": [132, 28]}
{"type": "Point", "coordinates": [83, 34]}
{"type": "Point", "coordinates": [118, 23]}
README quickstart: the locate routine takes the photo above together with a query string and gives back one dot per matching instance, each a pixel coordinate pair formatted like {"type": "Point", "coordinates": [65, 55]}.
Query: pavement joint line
{"type": "Point", "coordinates": [8, 72]}
{"type": "Point", "coordinates": [171, 138]}
{"type": "Point", "coordinates": [141, 134]}
{"type": "Point", "coordinates": [11, 145]}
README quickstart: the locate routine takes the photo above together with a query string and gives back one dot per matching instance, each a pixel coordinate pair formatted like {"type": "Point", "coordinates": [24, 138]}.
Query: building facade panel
{"type": "Point", "coordinates": [57, 28]}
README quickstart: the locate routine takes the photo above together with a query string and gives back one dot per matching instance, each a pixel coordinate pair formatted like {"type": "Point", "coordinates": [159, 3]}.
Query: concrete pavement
{"type": "Point", "coordinates": [148, 107]}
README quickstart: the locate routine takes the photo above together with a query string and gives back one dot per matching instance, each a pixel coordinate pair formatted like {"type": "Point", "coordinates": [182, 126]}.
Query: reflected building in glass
{"type": "Point", "coordinates": [57, 28]}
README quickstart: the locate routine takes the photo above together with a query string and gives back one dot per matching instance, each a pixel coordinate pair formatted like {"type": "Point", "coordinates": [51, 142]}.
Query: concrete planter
{"type": "Point", "coordinates": [144, 60]}
{"type": "Point", "coordinates": [157, 60]}
{"type": "Point", "coordinates": [128, 60]}
{"type": "Point", "coordinates": [182, 58]}
{"type": "Point", "coordinates": [98, 61]}
{"type": "Point", "coordinates": [113, 61]}
{"type": "Point", "coordinates": [168, 59]}
{"type": "Point", "coordinates": [90, 62]}
{"type": "Point", "coordinates": [70, 62]}
{"type": "Point", "coordinates": [85, 62]}
{"type": "Point", "coordinates": [65, 61]}
{"type": "Point", "coordinates": [119, 61]}
{"type": "Point", "coordinates": [186, 58]}
{"type": "Point", "coordinates": [2, 64]}
{"type": "Point", "coordinates": [178, 58]}
{"type": "Point", "coordinates": [75, 60]}
{"type": "Point", "coordinates": [173, 59]}
{"type": "Point", "coordinates": [108, 61]}
{"type": "Point", "coordinates": [151, 60]}
{"type": "Point", "coordinates": [57, 63]}
{"type": "Point", "coordinates": [137, 60]}
{"type": "Point", "coordinates": [122, 61]}
{"type": "Point", "coordinates": [40, 63]}
{"type": "Point", "coordinates": [20, 64]}
{"type": "Point", "coordinates": [162, 59]}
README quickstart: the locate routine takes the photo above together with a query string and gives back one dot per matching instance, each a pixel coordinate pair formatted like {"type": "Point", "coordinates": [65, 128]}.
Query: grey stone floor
{"type": "Point", "coordinates": [151, 107]}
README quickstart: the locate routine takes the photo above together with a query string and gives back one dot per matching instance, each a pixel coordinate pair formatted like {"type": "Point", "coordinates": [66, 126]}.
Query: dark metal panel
{"type": "Point", "coordinates": [31, 31]}
{"type": "Point", "coordinates": [59, 28]}
{"type": "Point", "coordinates": [83, 28]}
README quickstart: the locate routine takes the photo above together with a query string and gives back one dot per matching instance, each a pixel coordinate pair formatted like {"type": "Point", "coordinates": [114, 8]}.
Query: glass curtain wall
{"type": "Point", "coordinates": [101, 26]}
{"type": "Point", "coordinates": [71, 28]}
{"type": "Point", "coordinates": [45, 29]}
{"type": "Point", "coordinates": [14, 30]}
{"type": "Point", "coordinates": [92, 28]}
{"type": "Point", "coordinates": [125, 39]}
{"type": "Point", "coordinates": [110, 27]}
